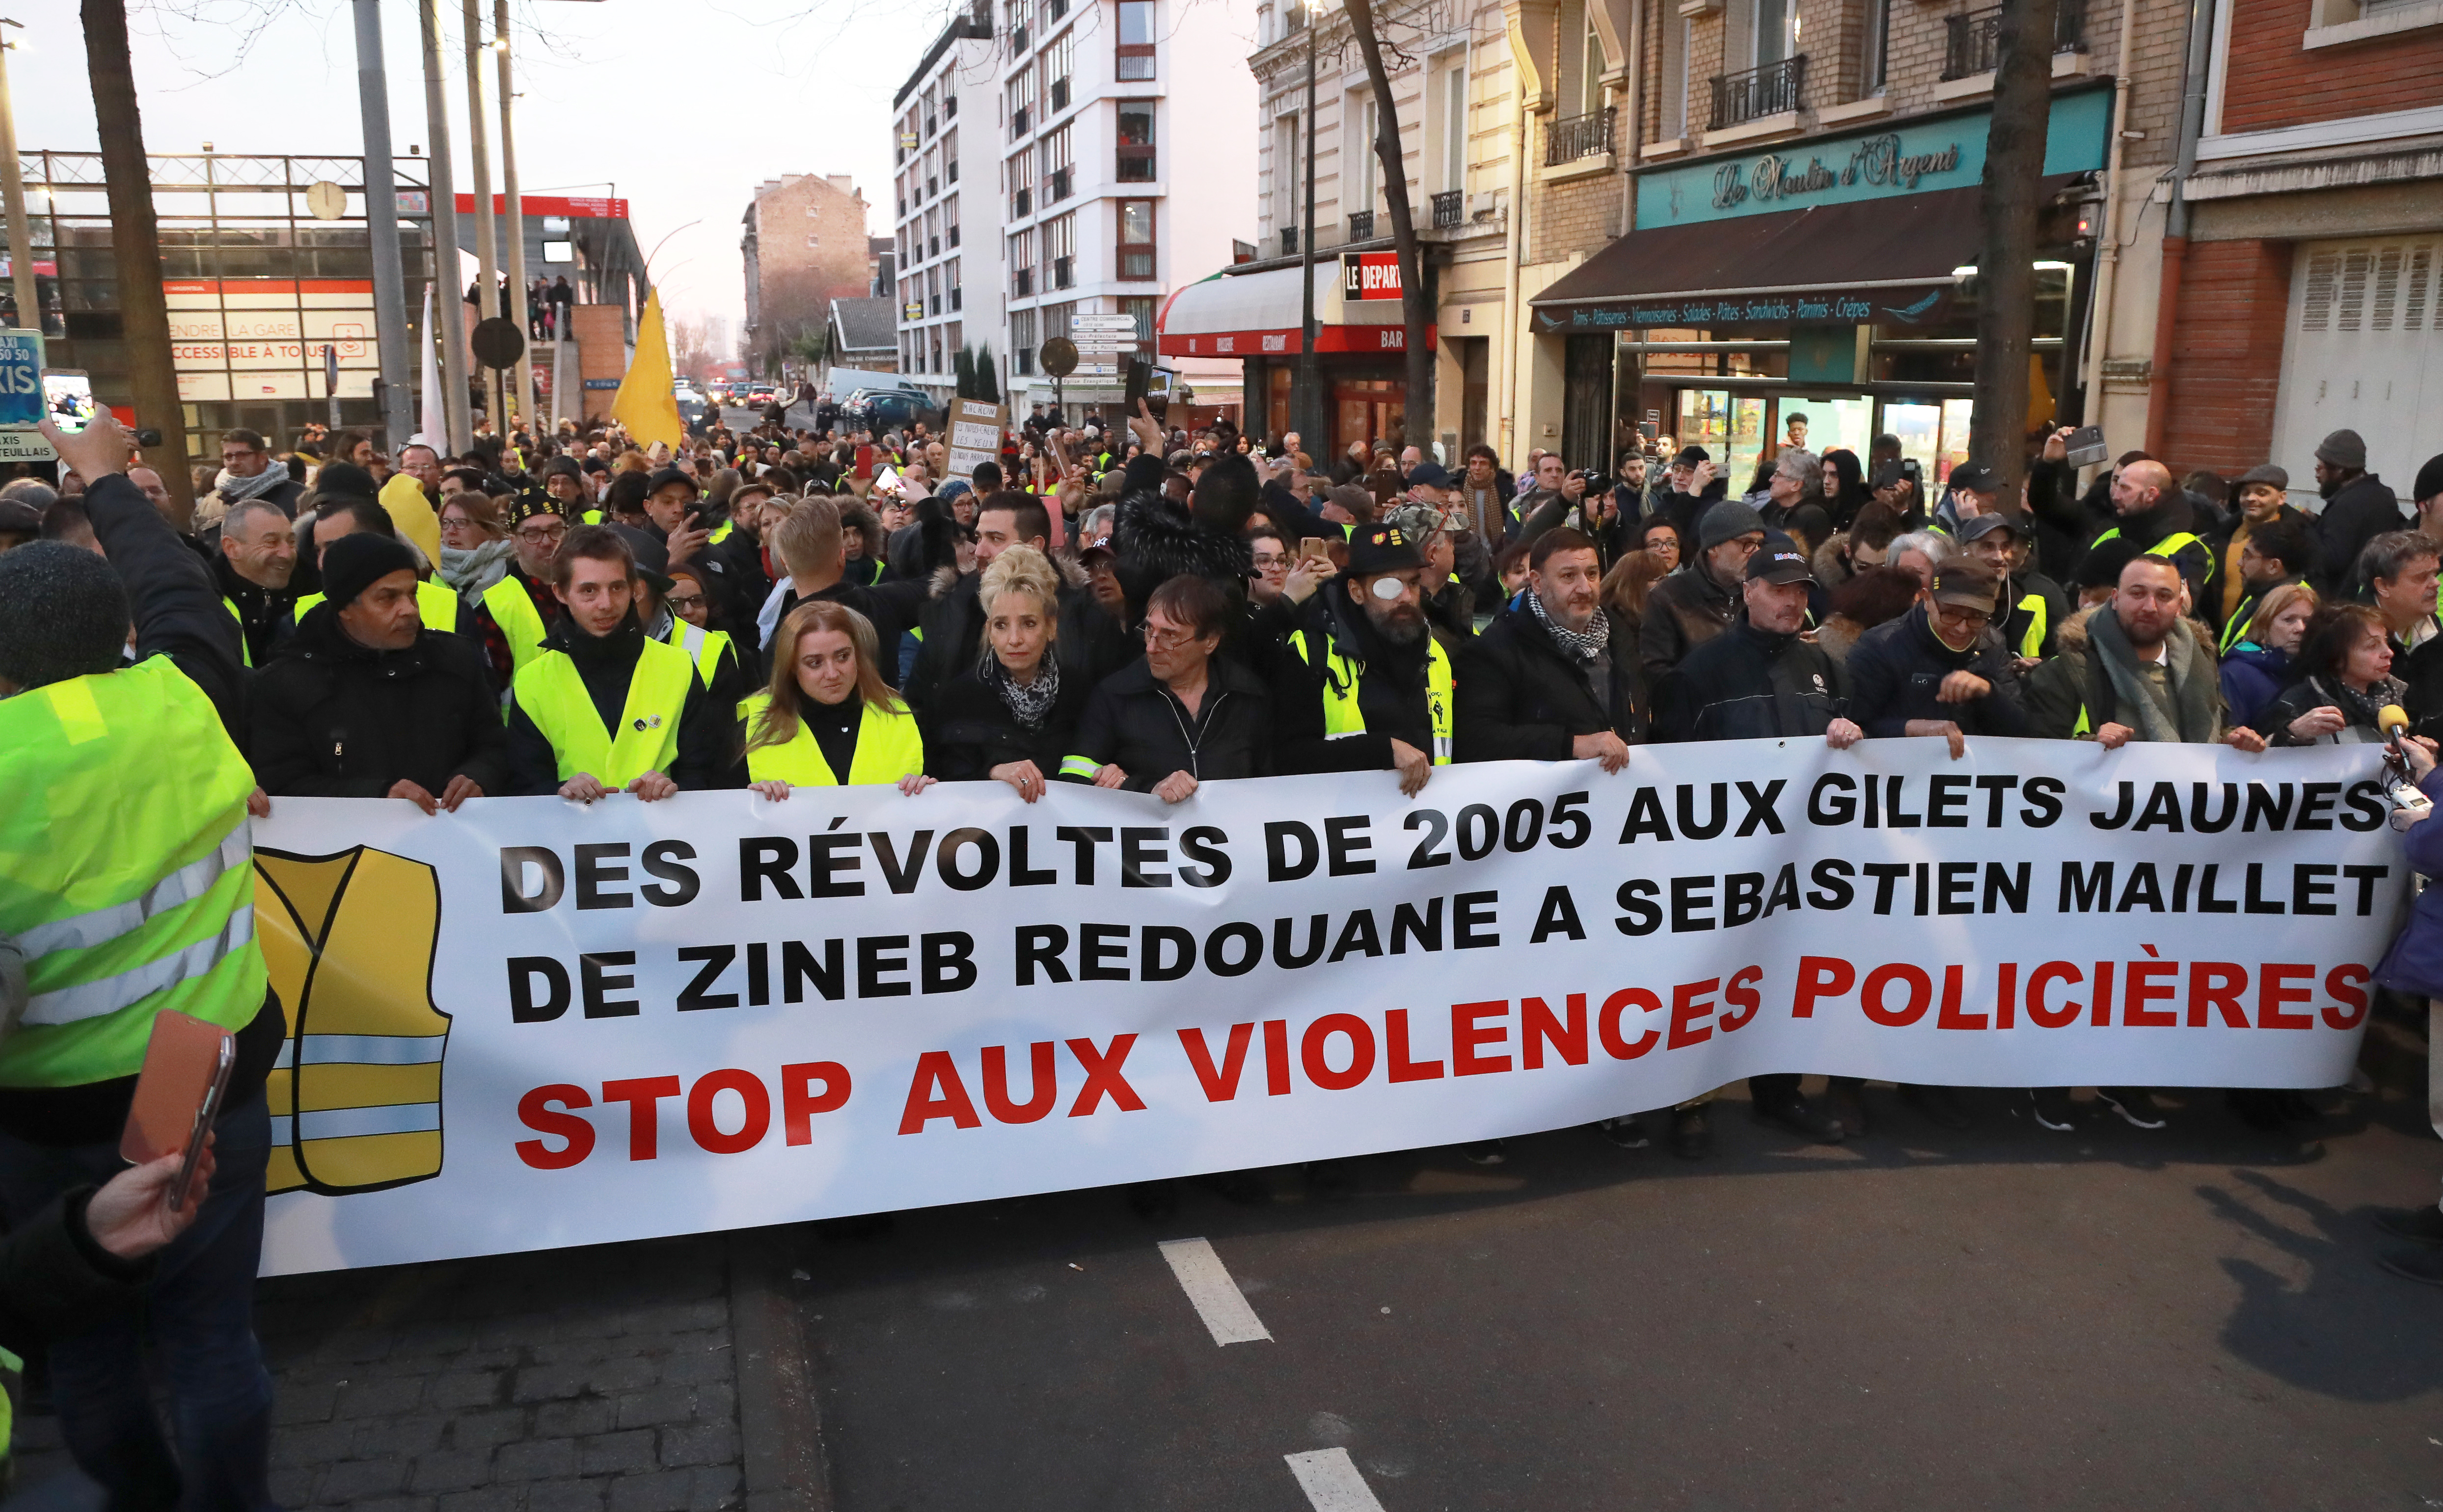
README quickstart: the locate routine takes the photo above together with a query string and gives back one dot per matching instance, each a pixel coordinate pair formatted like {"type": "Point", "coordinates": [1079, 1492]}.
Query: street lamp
{"type": "Point", "coordinates": [1306, 399]}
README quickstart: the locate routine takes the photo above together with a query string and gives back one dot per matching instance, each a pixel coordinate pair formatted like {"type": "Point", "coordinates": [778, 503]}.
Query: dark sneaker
{"type": "Point", "coordinates": [1692, 1137]}
{"type": "Point", "coordinates": [2425, 1224]}
{"type": "Point", "coordinates": [2136, 1105]}
{"type": "Point", "coordinates": [1940, 1106]}
{"type": "Point", "coordinates": [1626, 1134]}
{"type": "Point", "coordinates": [1483, 1153]}
{"type": "Point", "coordinates": [2052, 1109]}
{"type": "Point", "coordinates": [1792, 1111]}
{"type": "Point", "coordinates": [1847, 1102]}
{"type": "Point", "coordinates": [2416, 1265]}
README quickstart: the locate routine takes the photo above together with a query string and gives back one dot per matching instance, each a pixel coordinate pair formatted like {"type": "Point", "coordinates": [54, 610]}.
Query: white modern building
{"type": "Point", "coordinates": [946, 255]}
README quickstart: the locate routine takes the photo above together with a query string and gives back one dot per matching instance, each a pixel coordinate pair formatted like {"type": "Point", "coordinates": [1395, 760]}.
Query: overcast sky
{"type": "Point", "coordinates": [687, 105]}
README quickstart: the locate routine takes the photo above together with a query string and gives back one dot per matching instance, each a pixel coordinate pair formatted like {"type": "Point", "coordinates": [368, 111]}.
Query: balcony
{"type": "Point", "coordinates": [1450, 208]}
{"type": "Point", "coordinates": [1772, 90]}
{"type": "Point", "coordinates": [1021, 283]}
{"type": "Point", "coordinates": [1064, 272]}
{"type": "Point", "coordinates": [1058, 189]}
{"type": "Point", "coordinates": [1361, 226]}
{"type": "Point", "coordinates": [1060, 94]}
{"type": "Point", "coordinates": [1587, 136]}
{"type": "Point", "coordinates": [1017, 123]}
{"type": "Point", "coordinates": [1971, 40]}
{"type": "Point", "coordinates": [1289, 241]}
{"type": "Point", "coordinates": [1025, 202]}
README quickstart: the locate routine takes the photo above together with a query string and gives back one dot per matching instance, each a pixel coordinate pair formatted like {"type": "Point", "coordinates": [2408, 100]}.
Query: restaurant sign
{"type": "Point", "coordinates": [1832, 307]}
{"type": "Point", "coordinates": [1945, 153]}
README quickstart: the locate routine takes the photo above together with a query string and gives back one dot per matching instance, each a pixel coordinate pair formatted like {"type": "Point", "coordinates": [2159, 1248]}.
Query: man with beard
{"type": "Point", "coordinates": [2263, 495]}
{"type": "Point", "coordinates": [2154, 516]}
{"type": "Point", "coordinates": [1555, 677]}
{"type": "Point", "coordinates": [257, 559]}
{"type": "Point", "coordinates": [603, 708]}
{"type": "Point", "coordinates": [1363, 687]}
{"type": "Point", "coordinates": [2134, 670]}
{"type": "Point", "coordinates": [2357, 508]}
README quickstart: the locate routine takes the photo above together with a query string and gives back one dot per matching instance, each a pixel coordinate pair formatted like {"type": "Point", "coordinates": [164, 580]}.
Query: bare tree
{"type": "Point", "coordinates": [2005, 275]}
{"type": "Point", "coordinates": [1414, 310]}
{"type": "Point", "coordinates": [135, 243]}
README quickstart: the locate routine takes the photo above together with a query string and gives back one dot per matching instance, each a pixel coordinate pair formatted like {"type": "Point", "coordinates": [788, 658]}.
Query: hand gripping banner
{"type": "Point", "coordinates": [537, 1023]}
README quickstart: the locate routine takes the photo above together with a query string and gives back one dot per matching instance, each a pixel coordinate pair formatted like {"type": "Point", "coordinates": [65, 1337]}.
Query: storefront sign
{"type": "Point", "coordinates": [1944, 153]}
{"type": "Point", "coordinates": [1369, 275]}
{"type": "Point", "coordinates": [263, 338]}
{"type": "Point", "coordinates": [1328, 338]}
{"type": "Point", "coordinates": [1881, 307]}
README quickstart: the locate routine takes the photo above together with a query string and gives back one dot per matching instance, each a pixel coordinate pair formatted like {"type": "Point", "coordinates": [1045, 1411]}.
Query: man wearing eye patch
{"type": "Point", "coordinates": [1365, 685]}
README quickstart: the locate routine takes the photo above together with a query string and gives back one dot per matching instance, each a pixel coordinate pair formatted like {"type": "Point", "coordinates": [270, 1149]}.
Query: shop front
{"type": "Point", "coordinates": [1827, 284]}
{"type": "Point", "coordinates": [1256, 318]}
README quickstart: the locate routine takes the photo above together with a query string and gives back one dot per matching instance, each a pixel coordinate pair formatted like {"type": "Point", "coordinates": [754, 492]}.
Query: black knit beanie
{"type": "Point", "coordinates": [357, 561]}
{"type": "Point", "coordinates": [62, 614]}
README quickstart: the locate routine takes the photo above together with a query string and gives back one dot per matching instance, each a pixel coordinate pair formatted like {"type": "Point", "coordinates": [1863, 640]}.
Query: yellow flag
{"type": "Point", "coordinates": [646, 405]}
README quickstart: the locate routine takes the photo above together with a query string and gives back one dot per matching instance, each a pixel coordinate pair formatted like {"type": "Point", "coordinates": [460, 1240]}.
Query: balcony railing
{"type": "Point", "coordinates": [1450, 207]}
{"type": "Point", "coordinates": [1361, 226]}
{"type": "Point", "coordinates": [1587, 136]}
{"type": "Point", "coordinates": [1971, 40]}
{"type": "Point", "coordinates": [1023, 282]}
{"type": "Point", "coordinates": [1064, 272]}
{"type": "Point", "coordinates": [1289, 241]}
{"type": "Point", "coordinates": [1771, 90]}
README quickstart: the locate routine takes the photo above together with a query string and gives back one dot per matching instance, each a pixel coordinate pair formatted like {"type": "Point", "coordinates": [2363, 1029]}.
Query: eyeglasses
{"type": "Point", "coordinates": [1964, 619]}
{"type": "Point", "coordinates": [685, 600]}
{"type": "Point", "coordinates": [538, 535]}
{"type": "Point", "coordinates": [1171, 639]}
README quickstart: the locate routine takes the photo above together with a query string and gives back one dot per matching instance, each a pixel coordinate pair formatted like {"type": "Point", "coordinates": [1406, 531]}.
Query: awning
{"type": "Point", "coordinates": [1260, 314]}
{"type": "Point", "coordinates": [1887, 261]}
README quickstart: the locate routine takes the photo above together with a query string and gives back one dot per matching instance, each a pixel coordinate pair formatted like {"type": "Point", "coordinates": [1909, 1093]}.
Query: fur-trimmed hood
{"type": "Point", "coordinates": [1156, 540]}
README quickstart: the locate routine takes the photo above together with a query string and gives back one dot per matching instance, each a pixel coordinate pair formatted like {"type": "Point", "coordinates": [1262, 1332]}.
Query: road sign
{"type": "Point", "coordinates": [1105, 344]}
{"type": "Point", "coordinates": [498, 342]}
{"type": "Point", "coordinates": [1087, 324]}
{"type": "Point", "coordinates": [21, 382]}
{"type": "Point", "coordinates": [1058, 357]}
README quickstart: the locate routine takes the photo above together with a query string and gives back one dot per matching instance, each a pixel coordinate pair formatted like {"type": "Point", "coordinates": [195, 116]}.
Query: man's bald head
{"type": "Point", "coordinates": [2141, 486]}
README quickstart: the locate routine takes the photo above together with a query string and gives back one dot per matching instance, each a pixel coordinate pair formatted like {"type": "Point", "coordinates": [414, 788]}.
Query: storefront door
{"type": "Point", "coordinates": [1368, 410]}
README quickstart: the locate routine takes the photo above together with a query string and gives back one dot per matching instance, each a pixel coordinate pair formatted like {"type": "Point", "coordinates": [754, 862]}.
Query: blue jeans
{"type": "Point", "coordinates": [198, 1316]}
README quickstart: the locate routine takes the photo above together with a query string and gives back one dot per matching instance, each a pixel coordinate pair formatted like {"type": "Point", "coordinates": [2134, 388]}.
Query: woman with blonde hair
{"type": "Point", "coordinates": [1013, 716]}
{"type": "Point", "coordinates": [2259, 665]}
{"type": "Point", "coordinates": [827, 719]}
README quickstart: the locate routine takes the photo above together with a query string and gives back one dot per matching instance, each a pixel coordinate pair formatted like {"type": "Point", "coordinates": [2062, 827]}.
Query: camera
{"type": "Point", "coordinates": [148, 436]}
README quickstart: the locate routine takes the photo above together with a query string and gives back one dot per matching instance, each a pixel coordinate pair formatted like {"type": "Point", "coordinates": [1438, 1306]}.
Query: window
{"type": "Point", "coordinates": [1143, 310]}
{"type": "Point", "coordinates": [1022, 341]}
{"type": "Point", "coordinates": [1878, 48]}
{"type": "Point", "coordinates": [1060, 252]}
{"type": "Point", "coordinates": [1287, 202]}
{"type": "Point", "coordinates": [957, 289]}
{"type": "Point", "coordinates": [950, 222]}
{"type": "Point", "coordinates": [1021, 264]}
{"type": "Point", "coordinates": [1136, 260]}
{"type": "Point", "coordinates": [813, 242]}
{"type": "Point", "coordinates": [1455, 127]}
{"type": "Point", "coordinates": [950, 157]}
{"type": "Point", "coordinates": [1056, 319]}
{"type": "Point", "coordinates": [1777, 31]}
{"type": "Point", "coordinates": [1136, 164]}
{"type": "Point", "coordinates": [1056, 166]}
{"type": "Point", "coordinates": [1674, 101]}
{"type": "Point", "coordinates": [1135, 59]}
{"type": "Point", "coordinates": [1057, 59]}
{"type": "Point", "coordinates": [1020, 169]}
{"type": "Point", "coordinates": [1022, 98]}
{"type": "Point", "coordinates": [1359, 117]}
{"type": "Point", "coordinates": [1590, 70]}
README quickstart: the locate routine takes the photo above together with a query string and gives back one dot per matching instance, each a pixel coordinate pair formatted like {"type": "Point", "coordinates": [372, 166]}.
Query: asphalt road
{"type": "Point", "coordinates": [2001, 1319]}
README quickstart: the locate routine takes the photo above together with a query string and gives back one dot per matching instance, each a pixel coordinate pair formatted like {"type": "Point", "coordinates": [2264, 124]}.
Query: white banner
{"type": "Point", "coordinates": [534, 1024]}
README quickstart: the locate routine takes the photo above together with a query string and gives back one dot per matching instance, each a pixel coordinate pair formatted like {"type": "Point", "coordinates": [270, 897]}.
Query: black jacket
{"type": "Point", "coordinates": [1522, 698]}
{"type": "Point", "coordinates": [333, 719]}
{"type": "Point", "coordinates": [1897, 668]}
{"type": "Point", "coordinates": [1137, 723]}
{"type": "Point", "coordinates": [605, 664]}
{"type": "Point", "coordinates": [2360, 510]}
{"type": "Point", "coordinates": [56, 1282]}
{"type": "Point", "coordinates": [1090, 646]}
{"type": "Point", "coordinates": [264, 615]}
{"type": "Point", "coordinates": [973, 731]}
{"type": "Point", "coordinates": [2169, 516]}
{"type": "Point", "coordinates": [1391, 690]}
{"type": "Point", "coordinates": [1683, 611]}
{"type": "Point", "coordinates": [1745, 684]}
{"type": "Point", "coordinates": [2421, 671]}
{"type": "Point", "coordinates": [1157, 540]}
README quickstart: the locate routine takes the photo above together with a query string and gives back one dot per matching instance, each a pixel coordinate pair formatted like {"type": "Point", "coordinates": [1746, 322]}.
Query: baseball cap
{"type": "Point", "coordinates": [1967, 583]}
{"type": "Point", "coordinates": [1975, 477]}
{"type": "Point", "coordinates": [667, 476]}
{"type": "Point", "coordinates": [1428, 475]}
{"type": "Point", "coordinates": [1690, 455]}
{"type": "Point", "coordinates": [1779, 560]}
{"type": "Point", "coordinates": [1382, 548]}
{"type": "Point", "coordinates": [1979, 527]}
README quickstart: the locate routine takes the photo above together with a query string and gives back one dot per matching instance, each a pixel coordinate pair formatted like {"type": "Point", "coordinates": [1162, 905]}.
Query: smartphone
{"type": "Point", "coordinates": [2087, 446]}
{"type": "Point", "coordinates": [1649, 429]}
{"type": "Point", "coordinates": [865, 463]}
{"type": "Point", "coordinates": [1140, 382]}
{"type": "Point", "coordinates": [67, 398]}
{"type": "Point", "coordinates": [1314, 548]}
{"type": "Point", "coordinates": [178, 1092]}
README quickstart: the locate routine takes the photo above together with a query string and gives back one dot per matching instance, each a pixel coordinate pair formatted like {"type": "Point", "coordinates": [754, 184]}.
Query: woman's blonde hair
{"type": "Point", "coordinates": [2269, 608]}
{"type": "Point", "coordinates": [778, 722]}
{"type": "Point", "coordinates": [1631, 577]}
{"type": "Point", "coordinates": [1021, 569]}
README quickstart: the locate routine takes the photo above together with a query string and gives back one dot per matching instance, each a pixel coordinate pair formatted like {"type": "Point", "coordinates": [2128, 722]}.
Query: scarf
{"type": "Point", "coordinates": [1586, 645]}
{"type": "Point", "coordinates": [235, 490]}
{"type": "Point", "coordinates": [2191, 717]}
{"type": "Point", "coordinates": [472, 572]}
{"type": "Point", "coordinates": [1030, 703]}
{"type": "Point", "coordinates": [2361, 708]}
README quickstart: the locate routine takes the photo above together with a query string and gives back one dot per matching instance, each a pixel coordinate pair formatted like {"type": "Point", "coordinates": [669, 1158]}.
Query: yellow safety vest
{"type": "Point", "coordinates": [554, 696]}
{"type": "Point", "coordinates": [2032, 642]}
{"type": "Point", "coordinates": [127, 882]}
{"type": "Point", "coordinates": [720, 535]}
{"type": "Point", "coordinates": [704, 646]}
{"type": "Point", "coordinates": [245, 653]}
{"type": "Point", "coordinates": [437, 602]}
{"type": "Point", "coordinates": [1341, 715]}
{"type": "Point", "coordinates": [513, 609]}
{"type": "Point", "coordinates": [889, 746]}
{"type": "Point", "coordinates": [2171, 545]}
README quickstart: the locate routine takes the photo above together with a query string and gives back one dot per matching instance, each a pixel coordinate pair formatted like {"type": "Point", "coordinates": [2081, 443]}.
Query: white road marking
{"type": "Point", "coordinates": [1217, 1300]}
{"type": "Point", "coordinates": [1330, 1481]}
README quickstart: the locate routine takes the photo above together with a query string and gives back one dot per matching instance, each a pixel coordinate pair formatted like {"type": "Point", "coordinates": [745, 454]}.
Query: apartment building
{"type": "Point", "coordinates": [803, 242]}
{"type": "Point", "coordinates": [943, 257]}
{"type": "Point", "coordinates": [1454, 84]}
{"type": "Point", "coordinates": [2299, 291]}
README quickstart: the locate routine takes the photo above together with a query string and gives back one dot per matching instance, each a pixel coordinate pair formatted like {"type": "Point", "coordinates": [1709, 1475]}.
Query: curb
{"type": "Point", "coordinates": [779, 1425]}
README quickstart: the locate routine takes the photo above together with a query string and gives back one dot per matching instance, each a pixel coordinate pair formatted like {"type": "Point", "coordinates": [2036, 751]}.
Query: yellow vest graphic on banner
{"type": "Point", "coordinates": [355, 1097]}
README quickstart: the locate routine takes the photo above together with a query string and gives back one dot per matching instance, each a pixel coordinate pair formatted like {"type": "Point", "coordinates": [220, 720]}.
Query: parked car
{"type": "Point", "coordinates": [759, 395]}
{"type": "Point", "coordinates": [892, 409]}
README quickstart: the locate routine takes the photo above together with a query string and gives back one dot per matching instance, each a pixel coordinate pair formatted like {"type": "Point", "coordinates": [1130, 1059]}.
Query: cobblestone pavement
{"type": "Point", "coordinates": [601, 1379]}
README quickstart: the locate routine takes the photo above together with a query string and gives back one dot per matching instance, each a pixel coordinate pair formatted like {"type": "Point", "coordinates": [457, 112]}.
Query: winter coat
{"type": "Point", "coordinates": [1090, 646]}
{"type": "Point", "coordinates": [1137, 723]}
{"type": "Point", "coordinates": [2360, 709]}
{"type": "Point", "coordinates": [2073, 682]}
{"type": "Point", "coordinates": [973, 731]}
{"type": "Point", "coordinates": [2421, 672]}
{"type": "Point", "coordinates": [2252, 677]}
{"type": "Point", "coordinates": [1895, 669]}
{"type": "Point", "coordinates": [330, 718]}
{"type": "Point", "coordinates": [1391, 690]}
{"type": "Point", "coordinates": [1682, 612]}
{"type": "Point", "coordinates": [2415, 962]}
{"type": "Point", "coordinates": [1157, 540]}
{"type": "Point", "coordinates": [172, 599]}
{"type": "Point", "coordinates": [2358, 512]}
{"type": "Point", "coordinates": [2171, 515]}
{"type": "Point", "coordinates": [264, 615]}
{"type": "Point", "coordinates": [1520, 698]}
{"type": "Point", "coordinates": [1748, 684]}
{"type": "Point", "coordinates": [56, 1282]}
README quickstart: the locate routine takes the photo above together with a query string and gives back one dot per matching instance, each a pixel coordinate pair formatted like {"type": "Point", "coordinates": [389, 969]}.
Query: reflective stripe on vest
{"type": "Point", "coordinates": [2171, 545]}
{"type": "Point", "coordinates": [2239, 625]}
{"type": "Point", "coordinates": [1341, 714]}
{"type": "Point", "coordinates": [127, 882]}
{"type": "Point", "coordinates": [513, 610]}
{"type": "Point", "coordinates": [435, 603]}
{"type": "Point", "coordinates": [554, 696]}
{"type": "Point", "coordinates": [2083, 726]}
{"type": "Point", "coordinates": [245, 653]}
{"type": "Point", "coordinates": [720, 535]}
{"type": "Point", "coordinates": [889, 746]}
{"type": "Point", "coordinates": [704, 647]}
{"type": "Point", "coordinates": [2031, 643]}
{"type": "Point", "coordinates": [1085, 766]}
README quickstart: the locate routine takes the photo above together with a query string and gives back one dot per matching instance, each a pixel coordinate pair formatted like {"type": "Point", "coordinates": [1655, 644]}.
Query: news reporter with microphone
{"type": "Point", "coordinates": [2344, 662]}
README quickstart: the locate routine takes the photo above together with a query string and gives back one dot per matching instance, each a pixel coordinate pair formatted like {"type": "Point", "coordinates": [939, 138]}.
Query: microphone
{"type": "Point", "coordinates": [2392, 720]}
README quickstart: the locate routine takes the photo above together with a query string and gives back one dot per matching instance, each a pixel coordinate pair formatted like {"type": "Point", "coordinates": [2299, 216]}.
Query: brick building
{"type": "Point", "coordinates": [805, 245]}
{"type": "Point", "coordinates": [2300, 294]}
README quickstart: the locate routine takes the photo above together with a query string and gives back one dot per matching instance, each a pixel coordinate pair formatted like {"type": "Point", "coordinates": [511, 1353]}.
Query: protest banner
{"type": "Point", "coordinates": [536, 1023]}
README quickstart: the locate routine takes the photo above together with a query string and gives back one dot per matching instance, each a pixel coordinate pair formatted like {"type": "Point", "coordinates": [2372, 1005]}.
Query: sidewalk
{"type": "Point", "coordinates": [603, 1379]}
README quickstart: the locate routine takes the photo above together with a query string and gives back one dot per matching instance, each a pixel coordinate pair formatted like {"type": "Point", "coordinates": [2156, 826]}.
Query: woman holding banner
{"type": "Point", "coordinates": [1013, 717]}
{"type": "Point", "coordinates": [828, 719]}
